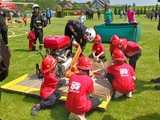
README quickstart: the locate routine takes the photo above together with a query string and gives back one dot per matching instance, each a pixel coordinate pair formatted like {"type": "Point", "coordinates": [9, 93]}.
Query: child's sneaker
{"type": "Point", "coordinates": [73, 116]}
{"type": "Point", "coordinates": [35, 109]}
{"type": "Point", "coordinates": [117, 94]}
{"type": "Point", "coordinates": [129, 95]}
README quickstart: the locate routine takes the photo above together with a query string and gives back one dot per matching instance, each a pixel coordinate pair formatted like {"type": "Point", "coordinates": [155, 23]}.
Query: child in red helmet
{"type": "Point", "coordinates": [98, 49]}
{"type": "Point", "coordinates": [48, 91]}
{"type": "Point", "coordinates": [131, 49]}
{"type": "Point", "coordinates": [80, 87]}
{"type": "Point", "coordinates": [121, 75]}
{"type": "Point", "coordinates": [114, 43]}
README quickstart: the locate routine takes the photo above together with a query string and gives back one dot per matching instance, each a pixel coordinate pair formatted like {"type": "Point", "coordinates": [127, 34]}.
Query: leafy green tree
{"type": "Point", "coordinates": [145, 10]}
{"type": "Point", "coordinates": [115, 11]}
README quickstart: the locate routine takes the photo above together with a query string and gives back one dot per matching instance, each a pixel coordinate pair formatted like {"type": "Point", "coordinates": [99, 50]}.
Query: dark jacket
{"type": "Point", "coordinates": [37, 22]}
{"type": "Point", "coordinates": [4, 60]}
{"type": "Point", "coordinates": [77, 30]}
{"type": "Point", "coordinates": [3, 29]}
{"type": "Point", "coordinates": [158, 27]}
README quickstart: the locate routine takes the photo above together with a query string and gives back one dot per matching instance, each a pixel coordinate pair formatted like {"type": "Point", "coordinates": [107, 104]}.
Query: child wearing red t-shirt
{"type": "Point", "coordinates": [80, 87]}
{"type": "Point", "coordinates": [98, 49]}
{"type": "Point", "coordinates": [132, 51]}
{"type": "Point", "coordinates": [48, 91]}
{"type": "Point", "coordinates": [121, 75]}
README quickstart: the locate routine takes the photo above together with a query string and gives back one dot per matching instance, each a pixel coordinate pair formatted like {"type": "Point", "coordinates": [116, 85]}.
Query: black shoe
{"type": "Point", "coordinates": [33, 48]}
{"type": "Point", "coordinates": [35, 109]}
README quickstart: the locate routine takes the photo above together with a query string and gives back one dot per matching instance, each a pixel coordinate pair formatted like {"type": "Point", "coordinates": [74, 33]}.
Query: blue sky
{"type": "Point", "coordinates": [138, 2]}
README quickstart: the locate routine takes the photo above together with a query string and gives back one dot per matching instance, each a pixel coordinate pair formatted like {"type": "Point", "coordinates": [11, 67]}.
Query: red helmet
{"type": "Point", "coordinates": [118, 55]}
{"type": "Point", "coordinates": [115, 41]}
{"type": "Point", "coordinates": [97, 39]}
{"type": "Point", "coordinates": [48, 64]}
{"type": "Point", "coordinates": [123, 43]}
{"type": "Point", "coordinates": [84, 63]}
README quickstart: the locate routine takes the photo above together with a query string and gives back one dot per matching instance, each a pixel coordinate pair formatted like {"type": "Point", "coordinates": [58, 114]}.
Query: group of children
{"type": "Point", "coordinates": [121, 74]}
{"type": "Point", "coordinates": [81, 86]}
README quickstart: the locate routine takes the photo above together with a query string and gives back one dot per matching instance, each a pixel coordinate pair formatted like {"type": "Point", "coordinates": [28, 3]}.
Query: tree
{"type": "Point", "coordinates": [89, 3]}
{"type": "Point", "coordinates": [47, 3]}
{"type": "Point", "coordinates": [141, 10]}
{"type": "Point", "coordinates": [134, 6]}
{"type": "Point", "coordinates": [138, 11]}
{"type": "Point", "coordinates": [115, 11]}
{"type": "Point", "coordinates": [156, 7]}
{"type": "Point", "coordinates": [119, 11]}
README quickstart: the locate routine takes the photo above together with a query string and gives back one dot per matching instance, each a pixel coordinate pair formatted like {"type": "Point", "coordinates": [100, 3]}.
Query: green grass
{"type": "Point", "coordinates": [145, 104]}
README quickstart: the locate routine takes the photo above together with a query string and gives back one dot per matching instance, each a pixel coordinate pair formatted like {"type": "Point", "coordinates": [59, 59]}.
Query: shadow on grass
{"type": "Point", "coordinates": [58, 111]}
{"type": "Point", "coordinates": [108, 117]}
{"type": "Point", "coordinates": [31, 99]}
{"type": "Point", "coordinates": [153, 116]}
{"type": "Point", "coordinates": [21, 50]}
{"type": "Point", "coordinates": [143, 86]}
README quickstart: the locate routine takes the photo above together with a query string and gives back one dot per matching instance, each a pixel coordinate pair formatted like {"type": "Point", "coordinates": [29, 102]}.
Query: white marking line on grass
{"type": "Point", "coordinates": [13, 34]}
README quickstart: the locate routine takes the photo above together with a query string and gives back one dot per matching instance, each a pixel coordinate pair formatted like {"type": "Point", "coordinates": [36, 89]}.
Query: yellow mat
{"type": "Point", "coordinates": [29, 84]}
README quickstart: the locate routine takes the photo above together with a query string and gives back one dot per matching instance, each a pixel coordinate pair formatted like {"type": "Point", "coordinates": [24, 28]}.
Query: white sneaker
{"type": "Point", "coordinates": [73, 116]}
{"type": "Point", "coordinates": [129, 95]}
{"type": "Point", "coordinates": [117, 94]}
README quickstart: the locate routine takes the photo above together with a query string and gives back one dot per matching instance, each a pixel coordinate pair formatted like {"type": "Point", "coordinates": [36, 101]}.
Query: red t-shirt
{"type": "Point", "coordinates": [49, 85]}
{"type": "Point", "coordinates": [98, 48]}
{"type": "Point", "coordinates": [80, 86]}
{"type": "Point", "coordinates": [123, 77]}
{"type": "Point", "coordinates": [132, 48]}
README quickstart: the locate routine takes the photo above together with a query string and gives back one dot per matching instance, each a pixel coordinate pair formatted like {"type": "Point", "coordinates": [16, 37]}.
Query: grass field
{"type": "Point", "coordinates": [145, 104]}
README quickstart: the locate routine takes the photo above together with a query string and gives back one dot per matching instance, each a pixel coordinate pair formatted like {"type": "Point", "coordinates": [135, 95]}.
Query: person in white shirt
{"type": "Point", "coordinates": [82, 18]}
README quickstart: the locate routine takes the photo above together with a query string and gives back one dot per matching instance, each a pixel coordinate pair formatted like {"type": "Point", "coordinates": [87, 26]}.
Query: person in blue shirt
{"type": "Point", "coordinates": [49, 15]}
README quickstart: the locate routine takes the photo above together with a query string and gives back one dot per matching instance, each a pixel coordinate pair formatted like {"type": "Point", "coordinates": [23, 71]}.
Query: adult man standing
{"type": "Point", "coordinates": [36, 25]}
{"type": "Point", "coordinates": [3, 27]}
{"type": "Point", "coordinates": [4, 50]}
